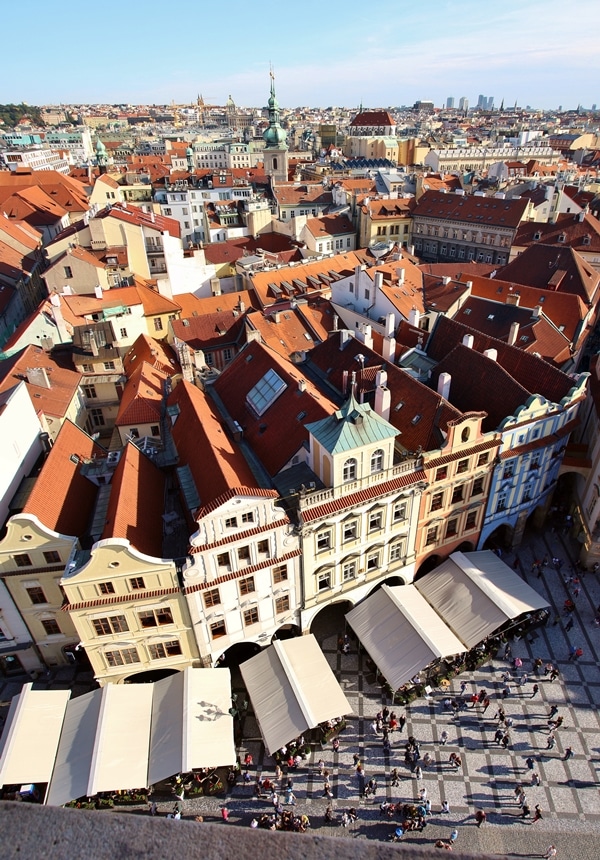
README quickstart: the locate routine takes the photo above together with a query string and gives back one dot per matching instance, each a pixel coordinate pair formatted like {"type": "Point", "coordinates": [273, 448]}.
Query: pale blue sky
{"type": "Point", "coordinates": [539, 52]}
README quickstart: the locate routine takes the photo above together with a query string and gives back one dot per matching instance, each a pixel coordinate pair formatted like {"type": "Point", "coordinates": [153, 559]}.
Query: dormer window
{"type": "Point", "coordinates": [537, 235]}
{"type": "Point", "coordinates": [587, 240]}
{"type": "Point", "coordinates": [562, 237]}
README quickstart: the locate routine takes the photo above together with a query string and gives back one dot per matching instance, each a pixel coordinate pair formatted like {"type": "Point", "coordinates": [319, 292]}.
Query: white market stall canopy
{"type": "Point", "coordinates": [123, 736]}
{"type": "Point", "coordinates": [191, 723]}
{"type": "Point", "coordinates": [292, 689]}
{"type": "Point", "coordinates": [104, 743]}
{"type": "Point", "coordinates": [401, 632]}
{"type": "Point", "coordinates": [476, 593]}
{"type": "Point", "coordinates": [31, 735]}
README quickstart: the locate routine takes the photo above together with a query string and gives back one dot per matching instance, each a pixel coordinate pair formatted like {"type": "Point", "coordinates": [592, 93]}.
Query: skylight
{"type": "Point", "coordinates": [265, 392]}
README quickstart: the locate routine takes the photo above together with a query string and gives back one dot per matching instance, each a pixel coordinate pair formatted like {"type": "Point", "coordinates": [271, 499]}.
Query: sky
{"type": "Point", "coordinates": [542, 53]}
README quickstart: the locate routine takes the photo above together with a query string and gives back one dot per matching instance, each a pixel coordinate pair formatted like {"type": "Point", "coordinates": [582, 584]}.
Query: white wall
{"type": "Point", "coordinates": [20, 430]}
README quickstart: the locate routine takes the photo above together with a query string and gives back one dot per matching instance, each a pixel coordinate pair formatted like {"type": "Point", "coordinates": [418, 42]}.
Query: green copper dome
{"type": "Point", "coordinates": [274, 136]}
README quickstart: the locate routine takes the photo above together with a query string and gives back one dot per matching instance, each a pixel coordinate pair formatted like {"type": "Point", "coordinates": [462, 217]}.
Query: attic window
{"type": "Point", "coordinates": [301, 415]}
{"type": "Point", "coordinates": [537, 235]}
{"type": "Point", "coordinates": [524, 338]}
{"type": "Point", "coordinates": [490, 316]}
{"type": "Point", "coordinates": [416, 419]}
{"type": "Point", "coordinates": [562, 237]}
{"type": "Point", "coordinates": [587, 240]}
{"type": "Point", "coordinates": [249, 358]}
{"type": "Point", "coordinates": [467, 311]}
{"type": "Point", "coordinates": [398, 406]}
{"type": "Point", "coordinates": [542, 299]}
{"type": "Point", "coordinates": [265, 392]}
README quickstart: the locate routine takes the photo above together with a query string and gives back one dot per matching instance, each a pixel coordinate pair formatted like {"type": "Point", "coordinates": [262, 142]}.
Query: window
{"type": "Point", "coordinates": [90, 391]}
{"type": "Point", "coordinates": [68, 272]}
{"type": "Point", "coordinates": [483, 458]}
{"type": "Point", "coordinates": [212, 598]}
{"type": "Point", "coordinates": [349, 470]}
{"type": "Point", "coordinates": [323, 541]}
{"type": "Point", "coordinates": [97, 417]}
{"type": "Point", "coordinates": [535, 461]}
{"type": "Point", "coordinates": [122, 657]}
{"type": "Point", "coordinates": [477, 489]}
{"type": "Point", "coordinates": [265, 392]}
{"type": "Point", "coordinates": [109, 365]}
{"type": "Point", "coordinates": [137, 583]}
{"type": "Point", "coordinates": [155, 617]}
{"type": "Point", "coordinates": [110, 624]}
{"type": "Point", "coordinates": [244, 553]}
{"type": "Point", "coordinates": [367, 295]}
{"type": "Point", "coordinates": [123, 332]}
{"type": "Point", "coordinates": [399, 513]}
{"type": "Point", "coordinates": [282, 604]}
{"type": "Point", "coordinates": [87, 368]}
{"type": "Point", "coordinates": [280, 574]}
{"type": "Point", "coordinates": [36, 594]}
{"type": "Point", "coordinates": [223, 560]}
{"type": "Point", "coordinates": [262, 547]}
{"type": "Point", "coordinates": [51, 627]}
{"type": "Point", "coordinates": [248, 517]}
{"type": "Point", "coordinates": [452, 527]}
{"type": "Point", "coordinates": [250, 616]}
{"type": "Point", "coordinates": [324, 581]}
{"type": "Point", "coordinates": [431, 535]}
{"type": "Point", "coordinates": [441, 474]}
{"type": "Point", "coordinates": [436, 501]}
{"type": "Point", "coordinates": [396, 551]}
{"type": "Point", "coordinates": [463, 466]}
{"type": "Point", "coordinates": [22, 559]}
{"type": "Point", "coordinates": [375, 521]}
{"type": "Point", "coordinates": [376, 461]}
{"type": "Point", "coordinates": [350, 530]}
{"type": "Point", "coordinates": [158, 324]}
{"type": "Point", "coordinates": [164, 649]}
{"type": "Point", "coordinates": [501, 504]}
{"type": "Point", "coordinates": [155, 430]}
{"type": "Point", "coordinates": [527, 494]}
{"type": "Point", "coordinates": [509, 469]}
{"type": "Point", "coordinates": [227, 354]}
{"type": "Point", "coordinates": [231, 523]}
{"type": "Point", "coordinates": [106, 588]}
{"type": "Point", "coordinates": [471, 520]}
{"type": "Point", "coordinates": [372, 561]}
{"type": "Point", "coordinates": [247, 585]}
{"type": "Point", "coordinates": [348, 571]}
{"type": "Point", "coordinates": [218, 629]}
{"type": "Point", "coordinates": [457, 494]}
{"type": "Point", "coordinates": [52, 557]}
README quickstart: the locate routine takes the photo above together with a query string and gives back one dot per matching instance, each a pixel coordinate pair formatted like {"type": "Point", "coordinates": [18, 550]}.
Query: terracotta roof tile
{"type": "Point", "coordinates": [157, 353]}
{"type": "Point", "coordinates": [64, 381]}
{"type": "Point", "coordinates": [472, 210]}
{"type": "Point", "coordinates": [142, 398]}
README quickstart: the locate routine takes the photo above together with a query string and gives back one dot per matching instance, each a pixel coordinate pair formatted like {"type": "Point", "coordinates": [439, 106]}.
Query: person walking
{"type": "Point", "coordinates": [486, 704]}
{"type": "Point", "coordinates": [530, 763]}
{"type": "Point", "coordinates": [553, 712]}
{"type": "Point", "coordinates": [401, 722]}
{"type": "Point", "coordinates": [550, 741]}
{"type": "Point", "coordinates": [550, 852]}
{"type": "Point", "coordinates": [444, 738]}
{"type": "Point", "coordinates": [480, 817]}
{"type": "Point", "coordinates": [445, 810]}
{"type": "Point", "coordinates": [535, 779]}
{"type": "Point", "coordinates": [454, 836]}
{"type": "Point", "coordinates": [535, 690]}
{"type": "Point", "coordinates": [569, 625]}
{"type": "Point", "coordinates": [568, 754]}
{"type": "Point", "coordinates": [537, 815]}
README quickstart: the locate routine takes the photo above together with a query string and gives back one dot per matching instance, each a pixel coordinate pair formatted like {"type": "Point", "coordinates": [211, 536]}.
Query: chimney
{"type": "Point", "coordinates": [381, 378]}
{"type": "Point", "coordinates": [276, 317]}
{"type": "Point", "coordinates": [513, 334]}
{"type": "Point", "coordinates": [468, 341]}
{"type": "Point", "coordinates": [390, 325]}
{"type": "Point", "coordinates": [383, 401]}
{"type": "Point", "coordinates": [364, 335]}
{"type": "Point", "coordinates": [414, 317]}
{"type": "Point", "coordinates": [401, 275]}
{"type": "Point", "coordinates": [492, 354]}
{"type": "Point", "coordinates": [38, 376]}
{"type": "Point", "coordinates": [301, 386]}
{"type": "Point", "coordinates": [336, 322]}
{"type": "Point", "coordinates": [98, 291]}
{"type": "Point", "coordinates": [242, 307]}
{"type": "Point", "coordinates": [93, 344]}
{"type": "Point", "coordinates": [446, 280]}
{"type": "Point", "coordinates": [513, 299]}
{"type": "Point", "coordinates": [537, 312]}
{"type": "Point", "coordinates": [469, 285]}
{"type": "Point", "coordinates": [378, 281]}
{"type": "Point", "coordinates": [344, 337]}
{"type": "Point", "coordinates": [59, 319]}
{"type": "Point", "coordinates": [388, 349]}
{"type": "Point", "coordinates": [443, 386]}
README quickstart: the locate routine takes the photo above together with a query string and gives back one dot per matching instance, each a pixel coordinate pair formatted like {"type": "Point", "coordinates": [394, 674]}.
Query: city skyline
{"type": "Point", "coordinates": [534, 55]}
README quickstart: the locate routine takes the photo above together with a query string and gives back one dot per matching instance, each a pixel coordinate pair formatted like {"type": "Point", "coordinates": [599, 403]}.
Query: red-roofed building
{"type": "Point", "coordinates": [141, 404]}
{"type": "Point", "coordinates": [580, 233]}
{"type": "Point", "coordinates": [125, 601]}
{"type": "Point", "coordinates": [43, 536]}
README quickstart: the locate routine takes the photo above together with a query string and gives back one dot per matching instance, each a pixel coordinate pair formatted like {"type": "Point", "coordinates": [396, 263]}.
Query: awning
{"type": "Point", "coordinates": [104, 743]}
{"type": "Point", "coordinates": [401, 632]}
{"type": "Point", "coordinates": [476, 593]}
{"type": "Point", "coordinates": [191, 723]}
{"type": "Point", "coordinates": [292, 689]}
{"type": "Point", "coordinates": [31, 735]}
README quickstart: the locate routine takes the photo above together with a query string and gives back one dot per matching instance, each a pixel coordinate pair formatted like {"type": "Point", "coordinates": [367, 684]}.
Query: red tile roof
{"type": "Point", "coordinates": [330, 225]}
{"type": "Point", "coordinates": [217, 464]}
{"type": "Point", "coordinates": [142, 398]}
{"type": "Point", "coordinates": [62, 498]}
{"type": "Point", "coordinates": [554, 267]}
{"type": "Point", "coordinates": [135, 215]}
{"type": "Point", "coordinates": [210, 329]}
{"type": "Point", "coordinates": [472, 210]}
{"type": "Point", "coordinates": [136, 504]}
{"type": "Point", "coordinates": [376, 491]}
{"type": "Point", "coordinates": [279, 433]}
{"type": "Point", "coordinates": [370, 118]}
{"type": "Point", "coordinates": [64, 381]}
{"type": "Point", "coordinates": [157, 353]}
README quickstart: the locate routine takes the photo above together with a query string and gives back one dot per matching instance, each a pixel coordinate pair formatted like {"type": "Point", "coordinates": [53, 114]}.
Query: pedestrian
{"type": "Point", "coordinates": [474, 700]}
{"type": "Point", "coordinates": [401, 722]}
{"type": "Point", "coordinates": [418, 772]}
{"type": "Point", "coordinates": [535, 690]}
{"type": "Point", "coordinates": [526, 811]}
{"type": "Point", "coordinates": [153, 809]}
{"type": "Point", "coordinates": [224, 813]}
{"type": "Point", "coordinates": [572, 651]}
{"type": "Point", "coordinates": [500, 714]}
{"type": "Point", "coordinates": [486, 704]}
{"type": "Point", "coordinates": [480, 817]}
{"type": "Point", "coordinates": [537, 665]}
{"type": "Point", "coordinates": [522, 798]}
{"type": "Point", "coordinates": [524, 679]}
{"type": "Point", "coordinates": [423, 794]}
{"type": "Point", "coordinates": [445, 807]}
{"type": "Point", "coordinates": [535, 780]}
{"type": "Point", "coordinates": [568, 754]}
{"type": "Point", "coordinates": [530, 763]}
{"type": "Point", "coordinates": [569, 624]}
{"type": "Point", "coordinates": [553, 712]}
{"type": "Point", "coordinates": [463, 684]}
{"type": "Point", "coordinates": [499, 735]}
{"type": "Point", "coordinates": [537, 815]}
{"type": "Point", "coordinates": [444, 738]}
{"type": "Point", "coordinates": [550, 852]}
{"type": "Point", "coordinates": [550, 741]}
{"type": "Point", "coordinates": [558, 722]}
{"type": "Point", "coordinates": [505, 740]}
{"type": "Point", "coordinates": [454, 836]}
{"type": "Point", "coordinates": [578, 653]}
{"type": "Point", "coordinates": [395, 777]}
{"type": "Point", "coordinates": [506, 692]}
{"type": "Point", "coordinates": [290, 797]}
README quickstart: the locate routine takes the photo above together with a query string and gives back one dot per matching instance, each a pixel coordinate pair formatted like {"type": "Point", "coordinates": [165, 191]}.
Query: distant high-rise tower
{"type": "Point", "coordinates": [481, 102]}
{"type": "Point", "coordinates": [463, 103]}
{"type": "Point", "coordinates": [489, 103]}
{"type": "Point", "coordinates": [276, 149]}
{"type": "Point", "coordinates": [450, 102]}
